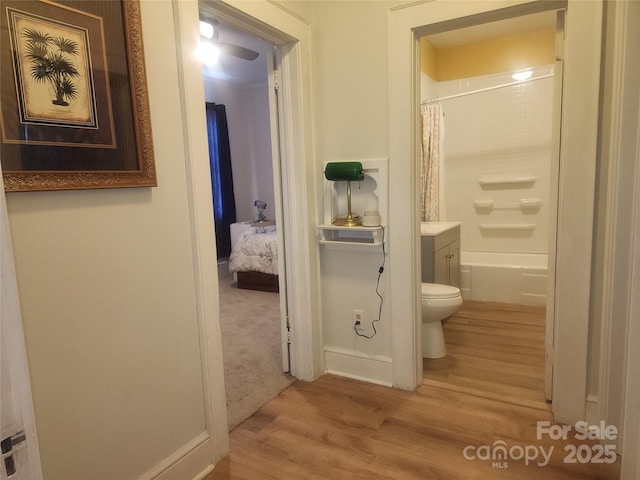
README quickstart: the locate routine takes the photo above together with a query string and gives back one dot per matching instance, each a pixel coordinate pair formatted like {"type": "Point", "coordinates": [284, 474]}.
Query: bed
{"type": "Point", "coordinates": [254, 255]}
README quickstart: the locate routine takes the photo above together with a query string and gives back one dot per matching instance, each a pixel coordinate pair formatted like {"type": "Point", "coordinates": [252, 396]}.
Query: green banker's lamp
{"type": "Point", "coordinates": [345, 171]}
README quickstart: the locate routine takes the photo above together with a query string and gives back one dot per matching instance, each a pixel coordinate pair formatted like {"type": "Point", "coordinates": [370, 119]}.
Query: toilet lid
{"type": "Point", "coordinates": [435, 290]}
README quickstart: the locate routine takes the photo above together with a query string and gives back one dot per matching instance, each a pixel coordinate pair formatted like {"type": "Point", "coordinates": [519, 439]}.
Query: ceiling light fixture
{"type": "Point", "coordinates": [208, 53]}
{"type": "Point", "coordinates": [209, 33]}
{"type": "Point", "coordinates": [206, 30]}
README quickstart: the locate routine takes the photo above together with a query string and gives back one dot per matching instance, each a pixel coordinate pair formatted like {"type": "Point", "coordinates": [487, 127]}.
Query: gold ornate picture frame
{"type": "Point", "coordinates": [74, 107]}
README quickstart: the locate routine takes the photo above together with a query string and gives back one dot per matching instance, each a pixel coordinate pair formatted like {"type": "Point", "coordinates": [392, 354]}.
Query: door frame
{"type": "Point", "coordinates": [15, 383]}
{"type": "Point", "coordinates": [576, 181]}
{"type": "Point", "coordinates": [274, 60]}
{"type": "Point", "coordinates": [631, 362]}
{"type": "Point", "coordinates": [292, 36]}
{"type": "Point", "coordinates": [617, 393]}
{"type": "Point", "coordinates": [556, 122]}
{"type": "Point", "coordinates": [278, 26]}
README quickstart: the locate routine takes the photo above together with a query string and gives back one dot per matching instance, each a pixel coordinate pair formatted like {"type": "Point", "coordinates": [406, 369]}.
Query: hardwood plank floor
{"type": "Point", "coordinates": [494, 350]}
{"type": "Point", "coordinates": [338, 428]}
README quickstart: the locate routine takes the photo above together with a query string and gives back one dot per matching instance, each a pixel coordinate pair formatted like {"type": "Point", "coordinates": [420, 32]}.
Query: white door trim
{"type": "Point", "coordinates": [276, 159]}
{"type": "Point", "coordinates": [576, 178]}
{"type": "Point", "coordinates": [631, 416]}
{"type": "Point", "coordinates": [275, 25]}
{"type": "Point", "coordinates": [618, 390]}
{"type": "Point", "coordinates": [16, 400]}
{"type": "Point", "coordinates": [615, 229]}
{"type": "Point", "coordinates": [553, 217]}
{"type": "Point", "coordinates": [203, 237]}
{"type": "Point", "coordinates": [629, 115]}
{"type": "Point", "coordinates": [576, 195]}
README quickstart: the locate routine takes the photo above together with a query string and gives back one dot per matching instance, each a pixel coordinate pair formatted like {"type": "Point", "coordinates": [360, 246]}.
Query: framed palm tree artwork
{"type": "Point", "coordinates": [73, 101]}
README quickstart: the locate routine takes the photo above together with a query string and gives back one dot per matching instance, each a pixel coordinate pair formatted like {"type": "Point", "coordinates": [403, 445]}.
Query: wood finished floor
{"type": "Point", "coordinates": [495, 350]}
{"type": "Point", "coordinates": [488, 390]}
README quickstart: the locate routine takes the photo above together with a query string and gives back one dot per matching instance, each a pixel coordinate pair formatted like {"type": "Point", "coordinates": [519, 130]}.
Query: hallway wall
{"type": "Point", "coordinates": [351, 123]}
{"type": "Point", "coordinates": [106, 282]}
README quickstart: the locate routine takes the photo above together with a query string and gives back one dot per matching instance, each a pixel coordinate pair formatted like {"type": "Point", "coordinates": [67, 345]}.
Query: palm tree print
{"type": "Point", "coordinates": [50, 62]}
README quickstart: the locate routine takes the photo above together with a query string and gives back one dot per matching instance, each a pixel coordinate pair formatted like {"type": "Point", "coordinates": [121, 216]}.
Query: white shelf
{"type": "Point", "coordinates": [354, 236]}
{"type": "Point", "coordinates": [506, 182]}
{"type": "Point", "coordinates": [507, 226]}
{"type": "Point", "coordinates": [527, 204]}
{"type": "Point", "coordinates": [530, 203]}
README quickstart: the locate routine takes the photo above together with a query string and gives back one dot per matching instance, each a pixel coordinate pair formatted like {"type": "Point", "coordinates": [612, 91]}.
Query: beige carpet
{"type": "Point", "coordinates": [251, 343]}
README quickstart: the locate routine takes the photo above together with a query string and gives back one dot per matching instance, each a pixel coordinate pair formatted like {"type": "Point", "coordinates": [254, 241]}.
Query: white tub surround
{"type": "Point", "coordinates": [498, 161]}
{"type": "Point", "coordinates": [504, 277]}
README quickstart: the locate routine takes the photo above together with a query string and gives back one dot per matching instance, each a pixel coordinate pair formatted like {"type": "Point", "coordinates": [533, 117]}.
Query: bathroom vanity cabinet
{"type": "Point", "coordinates": [440, 253]}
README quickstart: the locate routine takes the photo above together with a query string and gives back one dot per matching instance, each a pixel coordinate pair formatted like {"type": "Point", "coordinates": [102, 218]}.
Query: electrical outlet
{"type": "Point", "coordinates": [358, 316]}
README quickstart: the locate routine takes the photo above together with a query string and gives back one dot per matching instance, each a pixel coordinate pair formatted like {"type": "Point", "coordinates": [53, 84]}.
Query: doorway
{"type": "Point", "coordinates": [292, 37]}
{"type": "Point", "coordinates": [572, 265]}
{"type": "Point", "coordinates": [252, 282]}
{"type": "Point", "coordinates": [496, 178]}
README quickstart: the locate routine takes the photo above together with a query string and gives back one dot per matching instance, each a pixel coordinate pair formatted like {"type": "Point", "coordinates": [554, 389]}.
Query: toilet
{"type": "Point", "coordinates": [438, 302]}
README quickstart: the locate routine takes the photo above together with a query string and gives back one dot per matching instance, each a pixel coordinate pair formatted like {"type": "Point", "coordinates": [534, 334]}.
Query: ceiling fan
{"type": "Point", "coordinates": [208, 31]}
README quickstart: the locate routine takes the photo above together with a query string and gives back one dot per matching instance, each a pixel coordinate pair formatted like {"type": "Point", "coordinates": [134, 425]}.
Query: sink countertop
{"type": "Point", "coordinates": [428, 229]}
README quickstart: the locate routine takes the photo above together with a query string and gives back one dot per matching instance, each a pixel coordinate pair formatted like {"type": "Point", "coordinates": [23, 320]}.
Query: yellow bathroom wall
{"type": "Point", "coordinates": [488, 56]}
{"type": "Point", "coordinates": [428, 58]}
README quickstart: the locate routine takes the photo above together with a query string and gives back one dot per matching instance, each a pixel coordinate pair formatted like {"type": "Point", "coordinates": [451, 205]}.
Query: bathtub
{"type": "Point", "coordinates": [504, 277]}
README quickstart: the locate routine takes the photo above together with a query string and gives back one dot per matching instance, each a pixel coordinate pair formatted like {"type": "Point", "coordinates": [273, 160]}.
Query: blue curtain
{"type": "Point", "coordinates": [224, 204]}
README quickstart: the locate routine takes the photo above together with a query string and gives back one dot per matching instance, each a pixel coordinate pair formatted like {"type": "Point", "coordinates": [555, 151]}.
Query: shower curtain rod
{"type": "Point", "coordinates": [495, 87]}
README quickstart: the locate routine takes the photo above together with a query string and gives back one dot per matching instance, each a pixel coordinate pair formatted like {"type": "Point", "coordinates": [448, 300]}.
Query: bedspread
{"type": "Point", "coordinates": [256, 250]}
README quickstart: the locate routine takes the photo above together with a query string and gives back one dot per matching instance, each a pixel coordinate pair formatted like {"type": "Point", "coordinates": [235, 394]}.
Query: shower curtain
{"type": "Point", "coordinates": [432, 195]}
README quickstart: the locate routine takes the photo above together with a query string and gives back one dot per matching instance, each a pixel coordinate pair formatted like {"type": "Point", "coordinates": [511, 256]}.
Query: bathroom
{"type": "Point", "coordinates": [496, 172]}
{"type": "Point", "coordinates": [496, 166]}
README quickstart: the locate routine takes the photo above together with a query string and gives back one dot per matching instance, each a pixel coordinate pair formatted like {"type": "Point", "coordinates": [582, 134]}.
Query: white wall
{"type": "Point", "coordinates": [503, 133]}
{"type": "Point", "coordinates": [250, 143]}
{"type": "Point", "coordinates": [106, 280]}
{"type": "Point", "coordinates": [351, 123]}
{"type": "Point", "coordinates": [256, 112]}
{"type": "Point", "coordinates": [350, 80]}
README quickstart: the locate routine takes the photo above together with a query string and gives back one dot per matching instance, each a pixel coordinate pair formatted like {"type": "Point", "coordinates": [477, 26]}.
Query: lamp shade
{"type": "Point", "coordinates": [337, 171]}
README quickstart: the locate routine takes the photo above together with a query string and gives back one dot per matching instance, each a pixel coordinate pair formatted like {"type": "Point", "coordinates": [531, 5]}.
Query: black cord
{"type": "Point", "coordinates": [373, 322]}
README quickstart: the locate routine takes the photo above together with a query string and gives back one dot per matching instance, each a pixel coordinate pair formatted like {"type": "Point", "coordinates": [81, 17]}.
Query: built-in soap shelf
{"type": "Point", "coordinates": [356, 236]}
{"type": "Point", "coordinates": [524, 204]}
{"type": "Point", "coordinates": [502, 181]}
{"type": "Point", "coordinates": [507, 226]}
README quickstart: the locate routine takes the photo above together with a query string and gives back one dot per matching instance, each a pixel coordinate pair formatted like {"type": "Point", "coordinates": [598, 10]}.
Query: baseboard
{"type": "Point", "coordinates": [204, 473]}
{"type": "Point", "coordinates": [592, 410]}
{"type": "Point", "coordinates": [192, 461]}
{"type": "Point", "coordinates": [533, 299]}
{"type": "Point", "coordinates": [359, 366]}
